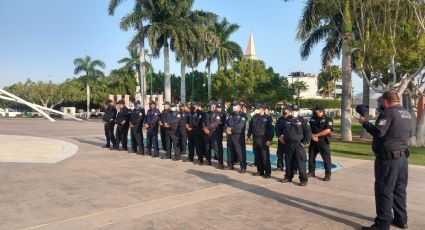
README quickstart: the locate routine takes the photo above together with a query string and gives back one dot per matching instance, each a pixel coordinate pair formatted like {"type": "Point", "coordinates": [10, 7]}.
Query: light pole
{"type": "Point", "coordinates": [234, 78]}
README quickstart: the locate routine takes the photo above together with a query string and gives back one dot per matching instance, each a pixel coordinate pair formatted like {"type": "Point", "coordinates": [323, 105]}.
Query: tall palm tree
{"type": "Point", "coordinates": [134, 20]}
{"type": "Point", "coordinates": [90, 68]}
{"type": "Point", "coordinates": [327, 78]}
{"type": "Point", "coordinates": [331, 23]}
{"type": "Point", "coordinates": [167, 25]}
{"type": "Point", "coordinates": [194, 47]}
{"type": "Point", "coordinates": [227, 50]}
{"type": "Point", "coordinates": [299, 87]}
{"type": "Point", "coordinates": [131, 64]}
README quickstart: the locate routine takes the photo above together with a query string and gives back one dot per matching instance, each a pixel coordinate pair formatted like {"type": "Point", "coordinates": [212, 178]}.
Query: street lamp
{"type": "Point", "coordinates": [234, 78]}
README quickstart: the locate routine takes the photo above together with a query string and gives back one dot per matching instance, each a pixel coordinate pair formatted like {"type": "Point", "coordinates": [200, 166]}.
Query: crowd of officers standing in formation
{"type": "Point", "coordinates": [184, 127]}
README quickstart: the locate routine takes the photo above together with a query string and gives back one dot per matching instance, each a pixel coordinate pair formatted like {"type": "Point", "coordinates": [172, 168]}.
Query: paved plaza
{"type": "Point", "coordinates": [44, 185]}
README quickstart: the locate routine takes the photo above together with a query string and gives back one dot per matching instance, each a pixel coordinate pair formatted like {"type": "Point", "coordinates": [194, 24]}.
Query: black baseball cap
{"type": "Point", "coordinates": [121, 102]}
{"type": "Point", "coordinates": [260, 106]}
{"type": "Point", "coordinates": [166, 103]}
{"type": "Point", "coordinates": [318, 107]}
{"type": "Point", "coordinates": [237, 103]}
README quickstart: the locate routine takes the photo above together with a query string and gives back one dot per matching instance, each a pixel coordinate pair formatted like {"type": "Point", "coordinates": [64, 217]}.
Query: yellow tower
{"type": "Point", "coordinates": [250, 49]}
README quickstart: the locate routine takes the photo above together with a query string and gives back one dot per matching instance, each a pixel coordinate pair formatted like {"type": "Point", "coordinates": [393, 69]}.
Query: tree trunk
{"type": "Point", "coordinates": [346, 97]}
{"type": "Point", "coordinates": [183, 82]}
{"type": "Point", "coordinates": [366, 95]}
{"type": "Point", "coordinates": [88, 101]}
{"type": "Point", "coordinates": [420, 131]}
{"type": "Point", "coordinates": [142, 67]}
{"type": "Point", "coordinates": [209, 83]}
{"type": "Point", "coordinates": [167, 80]}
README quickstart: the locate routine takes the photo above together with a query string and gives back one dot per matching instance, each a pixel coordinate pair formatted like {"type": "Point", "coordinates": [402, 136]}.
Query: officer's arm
{"type": "Point", "coordinates": [306, 133]}
{"type": "Point", "coordinates": [383, 123]}
{"type": "Point", "coordinates": [250, 128]}
{"type": "Point", "coordinates": [114, 113]}
{"type": "Point", "coordinates": [270, 130]}
{"type": "Point", "coordinates": [240, 125]}
{"type": "Point", "coordinates": [216, 123]}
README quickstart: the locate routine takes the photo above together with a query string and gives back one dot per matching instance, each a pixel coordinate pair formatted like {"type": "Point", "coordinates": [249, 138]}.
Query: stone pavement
{"type": "Point", "coordinates": [102, 189]}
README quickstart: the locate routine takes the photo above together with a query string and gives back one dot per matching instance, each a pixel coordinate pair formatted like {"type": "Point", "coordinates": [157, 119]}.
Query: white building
{"type": "Point", "coordinates": [312, 81]}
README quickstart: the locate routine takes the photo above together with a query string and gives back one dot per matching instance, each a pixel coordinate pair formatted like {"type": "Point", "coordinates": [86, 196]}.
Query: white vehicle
{"type": "Point", "coordinates": [9, 113]}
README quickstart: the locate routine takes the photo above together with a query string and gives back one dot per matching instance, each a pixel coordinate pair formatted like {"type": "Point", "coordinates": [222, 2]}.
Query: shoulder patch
{"type": "Point", "coordinates": [382, 122]}
{"type": "Point", "coordinates": [330, 123]}
{"type": "Point", "coordinates": [178, 115]}
{"type": "Point", "coordinates": [243, 118]}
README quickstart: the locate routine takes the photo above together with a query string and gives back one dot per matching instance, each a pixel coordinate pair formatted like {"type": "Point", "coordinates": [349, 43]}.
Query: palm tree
{"type": "Point", "coordinates": [134, 20]}
{"type": "Point", "coordinates": [90, 68]}
{"type": "Point", "coordinates": [131, 64]}
{"type": "Point", "coordinates": [330, 23]}
{"type": "Point", "coordinates": [226, 52]}
{"type": "Point", "coordinates": [194, 47]}
{"type": "Point", "coordinates": [167, 25]}
{"type": "Point", "coordinates": [328, 77]}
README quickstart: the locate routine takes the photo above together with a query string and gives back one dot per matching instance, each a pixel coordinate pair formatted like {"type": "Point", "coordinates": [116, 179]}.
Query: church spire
{"type": "Point", "coordinates": [250, 49]}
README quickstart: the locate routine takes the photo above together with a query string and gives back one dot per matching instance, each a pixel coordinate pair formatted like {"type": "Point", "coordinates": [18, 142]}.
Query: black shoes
{"type": "Point", "coordinates": [164, 158]}
{"type": "Point", "coordinates": [257, 174]}
{"type": "Point", "coordinates": [230, 168]}
{"type": "Point", "coordinates": [242, 171]}
{"type": "Point", "coordinates": [220, 166]}
{"type": "Point", "coordinates": [399, 225]}
{"type": "Point", "coordinates": [278, 169]}
{"type": "Point", "coordinates": [327, 177]}
{"type": "Point", "coordinates": [267, 176]}
{"type": "Point", "coordinates": [373, 227]}
{"type": "Point", "coordinates": [303, 183]}
{"type": "Point", "coordinates": [285, 180]}
{"type": "Point", "coordinates": [311, 174]}
{"type": "Point", "coordinates": [209, 162]}
{"type": "Point", "coordinates": [106, 146]}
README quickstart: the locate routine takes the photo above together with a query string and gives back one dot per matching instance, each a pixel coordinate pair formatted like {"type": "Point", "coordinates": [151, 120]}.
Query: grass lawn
{"type": "Point", "coordinates": [356, 128]}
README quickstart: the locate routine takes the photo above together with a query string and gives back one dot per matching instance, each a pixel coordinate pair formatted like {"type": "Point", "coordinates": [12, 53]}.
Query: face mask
{"type": "Point", "coordinates": [295, 113]}
{"type": "Point", "coordinates": [256, 111]}
{"type": "Point", "coordinates": [234, 108]}
{"type": "Point", "coordinates": [173, 109]}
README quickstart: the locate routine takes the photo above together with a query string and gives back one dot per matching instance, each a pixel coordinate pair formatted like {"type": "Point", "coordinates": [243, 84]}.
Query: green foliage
{"type": "Point", "coordinates": [328, 104]}
{"type": "Point", "coordinates": [254, 83]}
{"type": "Point", "coordinates": [327, 78]}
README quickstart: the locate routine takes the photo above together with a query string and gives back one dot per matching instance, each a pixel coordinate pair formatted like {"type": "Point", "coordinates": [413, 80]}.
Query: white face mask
{"type": "Point", "coordinates": [295, 113]}
{"type": "Point", "coordinates": [173, 108]}
{"type": "Point", "coordinates": [256, 111]}
{"type": "Point", "coordinates": [234, 108]}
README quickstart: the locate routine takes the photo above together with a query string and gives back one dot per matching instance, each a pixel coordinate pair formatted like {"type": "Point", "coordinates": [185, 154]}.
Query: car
{"type": "Point", "coordinates": [9, 113]}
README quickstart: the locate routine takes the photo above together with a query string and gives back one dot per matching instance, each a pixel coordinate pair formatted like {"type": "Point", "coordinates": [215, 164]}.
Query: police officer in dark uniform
{"type": "Point", "coordinates": [172, 125]}
{"type": "Point", "coordinates": [296, 134]}
{"type": "Point", "coordinates": [122, 120]}
{"type": "Point", "coordinates": [136, 123]}
{"type": "Point", "coordinates": [210, 125]}
{"type": "Point", "coordinates": [163, 130]}
{"type": "Point", "coordinates": [391, 133]}
{"type": "Point", "coordinates": [183, 126]}
{"type": "Point", "coordinates": [261, 129]}
{"type": "Point", "coordinates": [220, 129]}
{"type": "Point", "coordinates": [321, 127]}
{"type": "Point", "coordinates": [280, 123]}
{"type": "Point", "coordinates": [109, 123]}
{"type": "Point", "coordinates": [235, 129]}
{"type": "Point", "coordinates": [195, 133]}
{"type": "Point", "coordinates": [151, 125]}
{"type": "Point", "coordinates": [190, 132]}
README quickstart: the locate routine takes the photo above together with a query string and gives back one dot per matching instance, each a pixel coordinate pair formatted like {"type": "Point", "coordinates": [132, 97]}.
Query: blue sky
{"type": "Point", "coordinates": [39, 39]}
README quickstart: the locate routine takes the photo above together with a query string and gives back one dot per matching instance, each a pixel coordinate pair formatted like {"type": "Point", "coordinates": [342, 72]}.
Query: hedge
{"type": "Point", "coordinates": [327, 103]}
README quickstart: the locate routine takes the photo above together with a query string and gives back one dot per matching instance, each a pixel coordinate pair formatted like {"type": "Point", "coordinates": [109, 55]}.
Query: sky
{"type": "Point", "coordinates": [39, 39]}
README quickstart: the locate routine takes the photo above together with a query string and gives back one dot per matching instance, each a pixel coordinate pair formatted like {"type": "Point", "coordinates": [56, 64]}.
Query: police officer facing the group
{"type": "Point", "coordinates": [235, 129]}
{"type": "Point", "coordinates": [122, 121]}
{"type": "Point", "coordinates": [210, 125]}
{"type": "Point", "coordinates": [109, 123]}
{"type": "Point", "coordinates": [261, 129]}
{"type": "Point", "coordinates": [391, 133]}
{"type": "Point", "coordinates": [220, 129]}
{"type": "Point", "coordinates": [280, 123]}
{"type": "Point", "coordinates": [321, 128]}
{"type": "Point", "coordinates": [151, 125]}
{"type": "Point", "coordinates": [136, 123]}
{"type": "Point", "coordinates": [172, 125]}
{"type": "Point", "coordinates": [295, 135]}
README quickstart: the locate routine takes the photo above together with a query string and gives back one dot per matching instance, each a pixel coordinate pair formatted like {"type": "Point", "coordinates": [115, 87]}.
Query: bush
{"type": "Point", "coordinates": [327, 103]}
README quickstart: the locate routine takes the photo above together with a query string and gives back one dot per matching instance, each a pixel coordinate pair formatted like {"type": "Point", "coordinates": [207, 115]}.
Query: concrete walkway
{"type": "Point", "coordinates": [103, 189]}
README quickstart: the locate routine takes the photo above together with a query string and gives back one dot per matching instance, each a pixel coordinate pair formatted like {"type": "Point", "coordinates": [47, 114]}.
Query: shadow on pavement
{"type": "Point", "coordinates": [283, 198]}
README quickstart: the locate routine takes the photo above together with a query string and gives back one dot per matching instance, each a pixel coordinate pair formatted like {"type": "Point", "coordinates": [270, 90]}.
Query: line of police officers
{"type": "Point", "coordinates": [184, 127]}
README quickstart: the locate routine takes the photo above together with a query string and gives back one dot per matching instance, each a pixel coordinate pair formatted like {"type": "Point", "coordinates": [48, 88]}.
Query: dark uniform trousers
{"type": "Point", "coordinates": [295, 153]}
{"type": "Point", "coordinates": [220, 141]}
{"type": "Point", "coordinates": [152, 140]}
{"type": "Point", "coordinates": [191, 144]}
{"type": "Point", "coordinates": [390, 191]}
{"type": "Point", "coordinates": [163, 133]}
{"type": "Point", "coordinates": [211, 142]}
{"type": "Point", "coordinates": [235, 144]}
{"type": "Point", "coordinates": [322, 147]}
{"type": "Point", "coordinates": [198, 141]}
{"type": "Point", "coordinates": [183, 139]}
{"type": "Point", "coordinates": [109, 134]}
{"type": "Point", "coordinates": [262, 155]}
{"type": "Point", "coordinates": [121, 135]}
{"type": "Point", "coordinates": [173, 140]}
{"type": "Point", "coordinates": [137, 139]}
{"type": "Point", "coordinates": [280, 153]}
